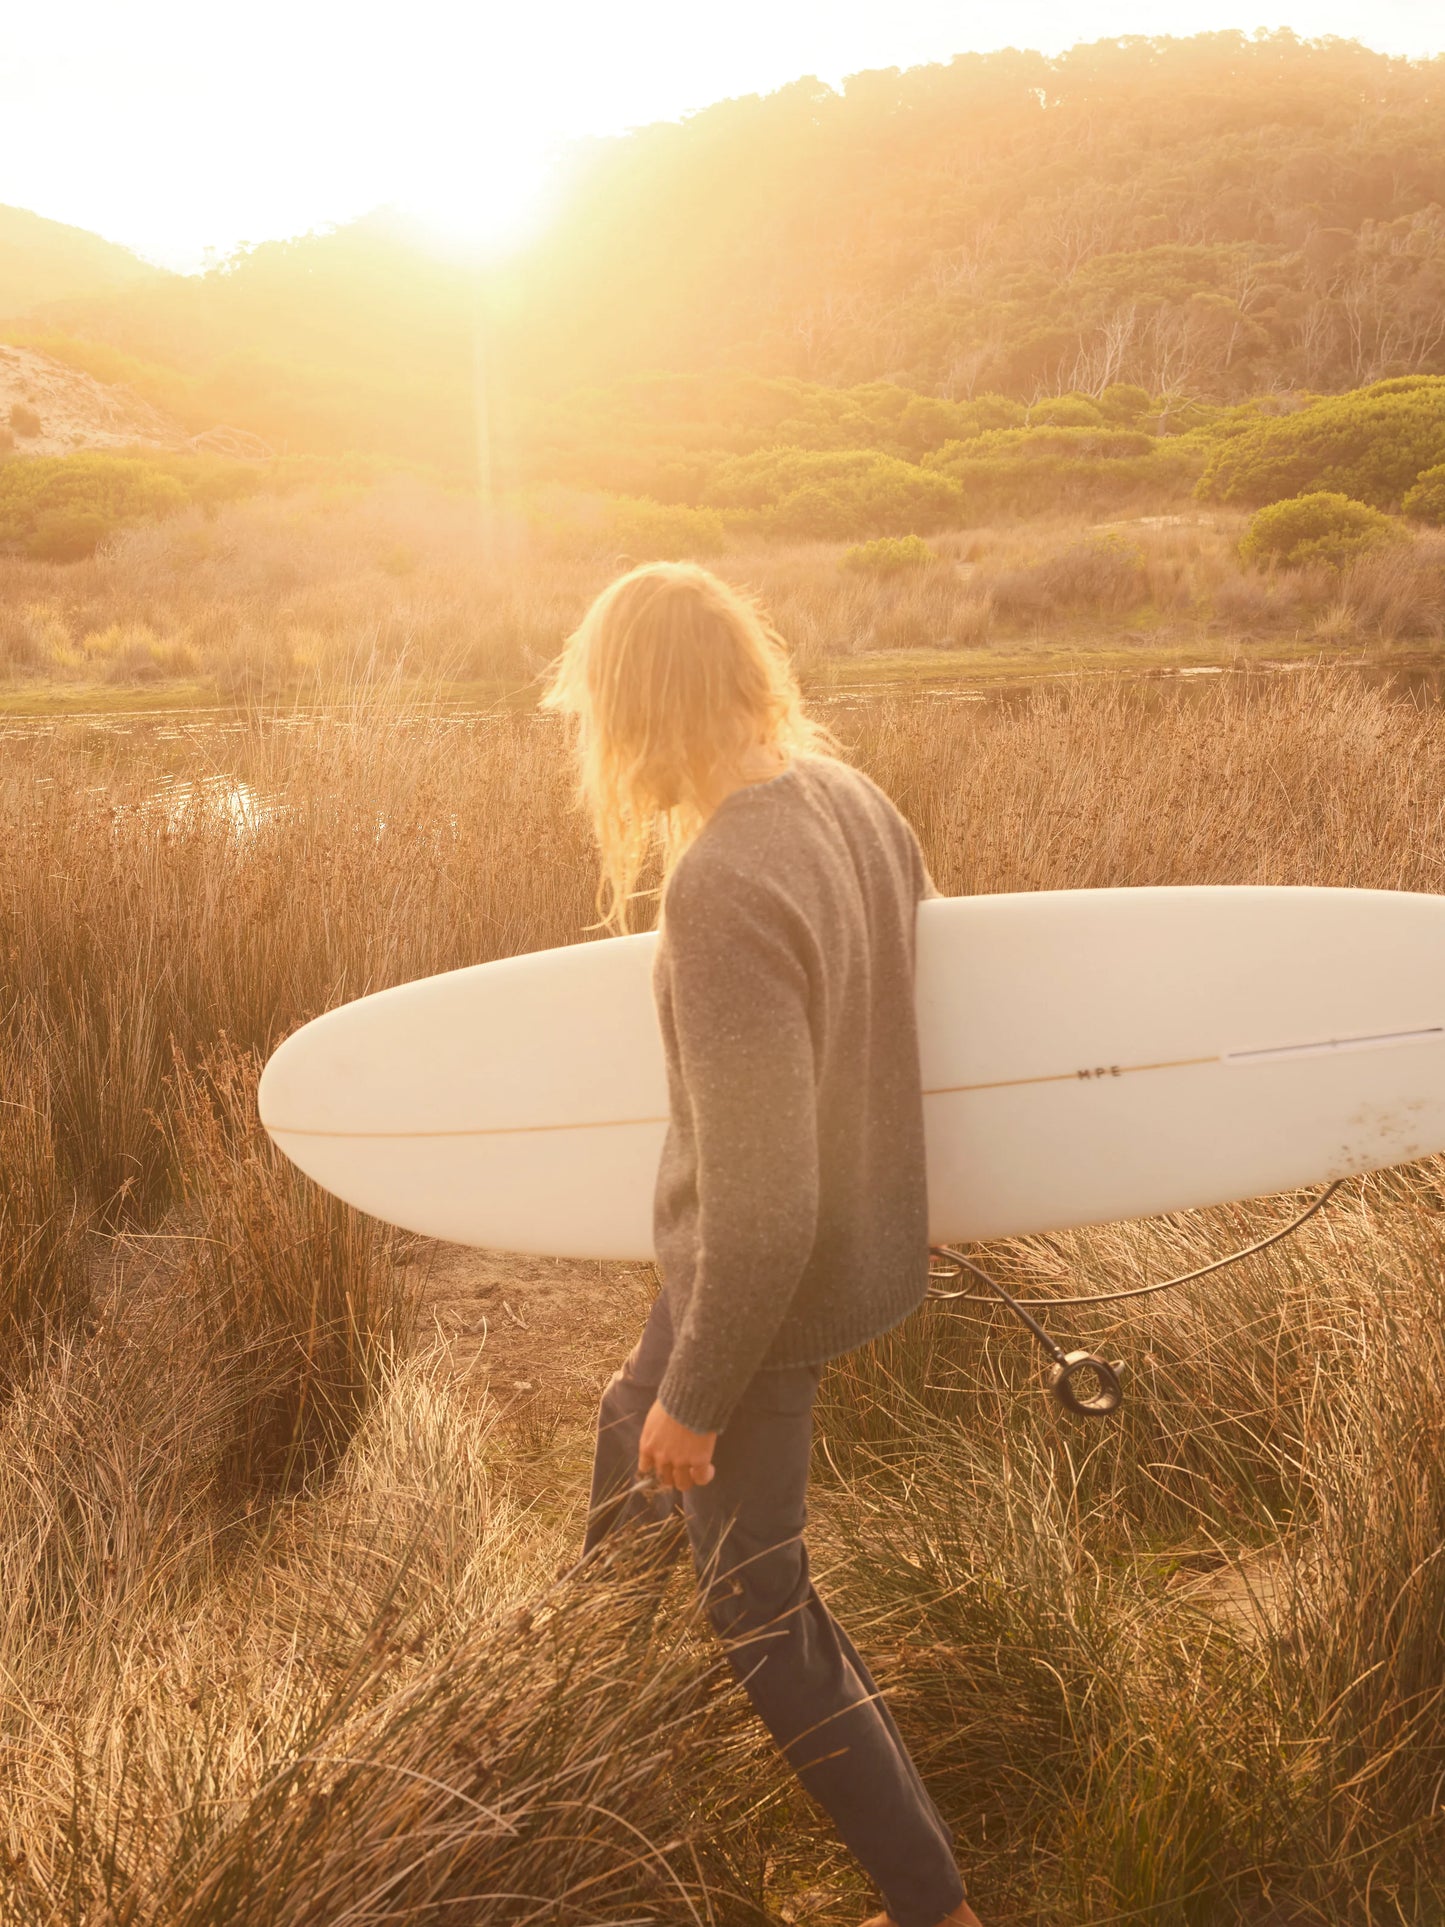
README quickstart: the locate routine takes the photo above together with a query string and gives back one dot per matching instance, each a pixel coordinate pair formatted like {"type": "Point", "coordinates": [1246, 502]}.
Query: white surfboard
{"type": "Point", "coordinates": [1087, 1055]}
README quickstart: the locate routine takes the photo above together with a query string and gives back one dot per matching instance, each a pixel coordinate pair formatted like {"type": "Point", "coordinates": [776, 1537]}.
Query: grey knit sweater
{"type": "Point", "coordinates": [791, 1214]}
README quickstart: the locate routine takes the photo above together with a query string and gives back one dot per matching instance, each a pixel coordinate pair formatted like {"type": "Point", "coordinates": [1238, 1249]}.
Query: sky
{"type": "Point", "coordinates": [182, 126]}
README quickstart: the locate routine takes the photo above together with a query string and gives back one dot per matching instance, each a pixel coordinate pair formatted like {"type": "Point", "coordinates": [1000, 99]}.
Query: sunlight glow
{"type": "Point", "coordinates": [217, 128]}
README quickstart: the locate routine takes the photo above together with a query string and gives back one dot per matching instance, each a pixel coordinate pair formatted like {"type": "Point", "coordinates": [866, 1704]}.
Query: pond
{"type": "Point", "coordinates": [1418, 680]}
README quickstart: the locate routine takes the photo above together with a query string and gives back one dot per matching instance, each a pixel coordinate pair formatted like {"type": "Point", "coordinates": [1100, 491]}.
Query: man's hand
{"type": "Point", "coordinates": [681, 1459]}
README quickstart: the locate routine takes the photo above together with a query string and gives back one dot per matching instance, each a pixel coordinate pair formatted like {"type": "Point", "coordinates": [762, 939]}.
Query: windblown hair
{"type": "Point", "coordinates": [672, 678]}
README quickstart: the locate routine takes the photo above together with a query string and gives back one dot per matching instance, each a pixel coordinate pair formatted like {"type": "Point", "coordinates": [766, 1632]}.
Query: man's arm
{"type": "Point", "coordinates": [740, 1008]}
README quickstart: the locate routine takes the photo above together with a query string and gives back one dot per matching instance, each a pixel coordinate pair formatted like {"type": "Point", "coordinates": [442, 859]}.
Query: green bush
{"type": "Point", "coordinates": [856, 492]}
{"type": "Point", "coordinates": [889, 555]}
{"type": "Point", "coordinates": [1028, 471]}
{"type": "Point", "coordinates": [1042, 443]}
{"type": "Point", "coordinates": [1124, 403]}
{"type": "Point", "coordinates": [1320, 527]}
{"type": "Point", "coordinates": [663, 531]}
{"type": "Point", "coordinates": [210, 480]}
{"type": "Point", "coordinates": [1426, 500]}
{"type": "Point", "coordinates": [62, 507]}
{"type": "Point", "coordinates": [1066, 411]}
{"type": "Point", "coordinates": [68, 535]}
{"type": "Point", "coordinates": [927, 423]}
{"type": "Point", "coordinates": [985, 413]}
{"type": "Point", "coordinates": [1370, 445]}
{"type": "Point", "coordinates": [23, 419]}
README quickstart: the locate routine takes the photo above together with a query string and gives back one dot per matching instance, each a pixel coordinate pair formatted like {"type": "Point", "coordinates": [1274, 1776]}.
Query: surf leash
{"type": "Point", "coordinates": [1074, 1371]}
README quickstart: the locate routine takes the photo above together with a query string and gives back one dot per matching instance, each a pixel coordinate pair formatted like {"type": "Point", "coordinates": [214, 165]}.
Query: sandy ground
{"type": "Point", "coordinates": [76, 410]}
{"type": "Point", "coordinates": [548, 1331]}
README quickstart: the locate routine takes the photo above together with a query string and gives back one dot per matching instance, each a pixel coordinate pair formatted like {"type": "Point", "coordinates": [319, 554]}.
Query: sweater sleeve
{"type": "Point", "coordinates": [739, 991]}
{"type": "Point", "coordinates": [923, 883]}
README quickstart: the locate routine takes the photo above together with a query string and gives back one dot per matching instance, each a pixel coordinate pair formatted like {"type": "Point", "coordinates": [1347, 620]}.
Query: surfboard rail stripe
{"type": "Point", "coordinates": [1272, 1053]}
{"type": "Point", "coordinates": [1377, 1040]}
{"type": "Point", "coordinates": [1090, 1074]}
{"type": "Point", "coordinates": [617, 1123]}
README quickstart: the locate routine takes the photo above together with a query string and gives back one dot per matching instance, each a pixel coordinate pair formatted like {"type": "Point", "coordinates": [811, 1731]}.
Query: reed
{"type": "Point", "coordinates": [280, 1618]}
{"type": "Point", "coordinates": [1196, 1656]}
{"type": "Point", "coordinates": [294, 1292]}
{"type": "Point", "coordinates": [44, 1282]}
{"type": "Point", "coordinates": [333, 1709]}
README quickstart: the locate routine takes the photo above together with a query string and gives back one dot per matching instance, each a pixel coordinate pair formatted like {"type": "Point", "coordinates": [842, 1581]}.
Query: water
{"type": "Point", "coordinates": [178, 732]}
{"type": "Point", "coordinates": [181, 799]}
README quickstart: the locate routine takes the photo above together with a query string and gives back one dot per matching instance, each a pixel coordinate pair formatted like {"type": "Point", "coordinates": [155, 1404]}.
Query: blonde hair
{"type": "Point", "coordinates": [671, 679]}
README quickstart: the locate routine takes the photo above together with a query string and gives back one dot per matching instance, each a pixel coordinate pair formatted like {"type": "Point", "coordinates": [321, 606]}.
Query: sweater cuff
{"type": "Point", "coordinates": [694, 1399]}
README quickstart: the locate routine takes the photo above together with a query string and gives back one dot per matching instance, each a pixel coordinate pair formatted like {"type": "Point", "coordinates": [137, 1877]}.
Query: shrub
{"type": "Point", "coordinates": [1066, 411]}
{"type": "Point", "coordinates": [1041, 442]}
{"type": "Point", "coordinates": [68, 535]}
{"type": "Point", "coordinates": [1124, 403]}
{"type": "Point", "coordinates": [663, 531]}
{"type": "Point", "coordinates": [1322, 527]}
{"type": "Point", "coordinates": [1024, 471]}
{"type": "Point", "coordinates": [1426, 500]}
{"type": "Point", "coordinates": [927, 422]}
{"type": "Point", "coordinates": [857, 492]}
{"type": "Point", "coordinates": [889, 554]}
{"type": "Point", "coordinates": [23, 419]}
{"type": "Point", "coordinates": [985, 413]}
{"type": "Point", "coordinates": [62, 507]}
{"type": "Point", "coordinates": [1370, 445]}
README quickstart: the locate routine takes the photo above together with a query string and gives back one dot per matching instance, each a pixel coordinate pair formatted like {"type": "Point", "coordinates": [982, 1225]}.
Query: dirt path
{"type": "Point", "coordinates": [549, 1331]}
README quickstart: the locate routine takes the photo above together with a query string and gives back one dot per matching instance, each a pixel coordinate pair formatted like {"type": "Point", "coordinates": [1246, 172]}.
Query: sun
{"type": "Point", "coordinates": [489, 201]}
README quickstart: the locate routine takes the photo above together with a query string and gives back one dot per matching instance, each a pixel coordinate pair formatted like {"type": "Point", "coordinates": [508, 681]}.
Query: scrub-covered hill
{"type": "Point", "coordinates": [1213, 215]}
{"type": "Point", "coordinates": [43, 261]}
{"type": "Point", "coordinates": [1189, 219]}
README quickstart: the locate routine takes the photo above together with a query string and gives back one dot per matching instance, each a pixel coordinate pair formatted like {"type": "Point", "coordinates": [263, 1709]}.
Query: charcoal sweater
{"type": "Point", "coordinates": [791, 1217]}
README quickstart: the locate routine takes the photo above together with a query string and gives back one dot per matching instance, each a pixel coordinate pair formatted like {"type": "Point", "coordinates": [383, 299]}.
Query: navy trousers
{"type": "Point", "coordinates": [800, 1669]}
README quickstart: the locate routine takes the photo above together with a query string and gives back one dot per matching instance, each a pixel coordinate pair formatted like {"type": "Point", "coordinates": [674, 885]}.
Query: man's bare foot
{"type": "Point", "coordinates": [962, 1916]}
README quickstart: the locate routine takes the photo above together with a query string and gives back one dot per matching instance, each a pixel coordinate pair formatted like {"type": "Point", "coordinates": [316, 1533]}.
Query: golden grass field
{"type": "Point", "coordinates": [283, 1638]}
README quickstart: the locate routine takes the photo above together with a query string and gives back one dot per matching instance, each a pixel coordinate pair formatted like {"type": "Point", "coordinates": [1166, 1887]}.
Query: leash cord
{"type": "Point", "coordinates": [955, 1264]}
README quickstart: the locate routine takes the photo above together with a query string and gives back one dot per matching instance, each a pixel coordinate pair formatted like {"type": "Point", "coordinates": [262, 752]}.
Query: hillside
{"type": "Point", "coordinates": [1206, 218]}
{"type": "Point", "coordinates": [43, 261]}
{"type": "Point", "coordinates": [57, 409]}
{"type": "Point", "coordinates": [1209, 216]}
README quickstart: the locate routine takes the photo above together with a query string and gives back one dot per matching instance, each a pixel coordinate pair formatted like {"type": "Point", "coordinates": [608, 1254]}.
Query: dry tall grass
{"type": "Point", "coordinates": [43, 1284]}
{"type": "Point", "coordinates": [1177, 1666]}
{"type": "Point", "coordinates": [263, 1561]}
{"type": "Point", "coordinates": [275, 597]}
